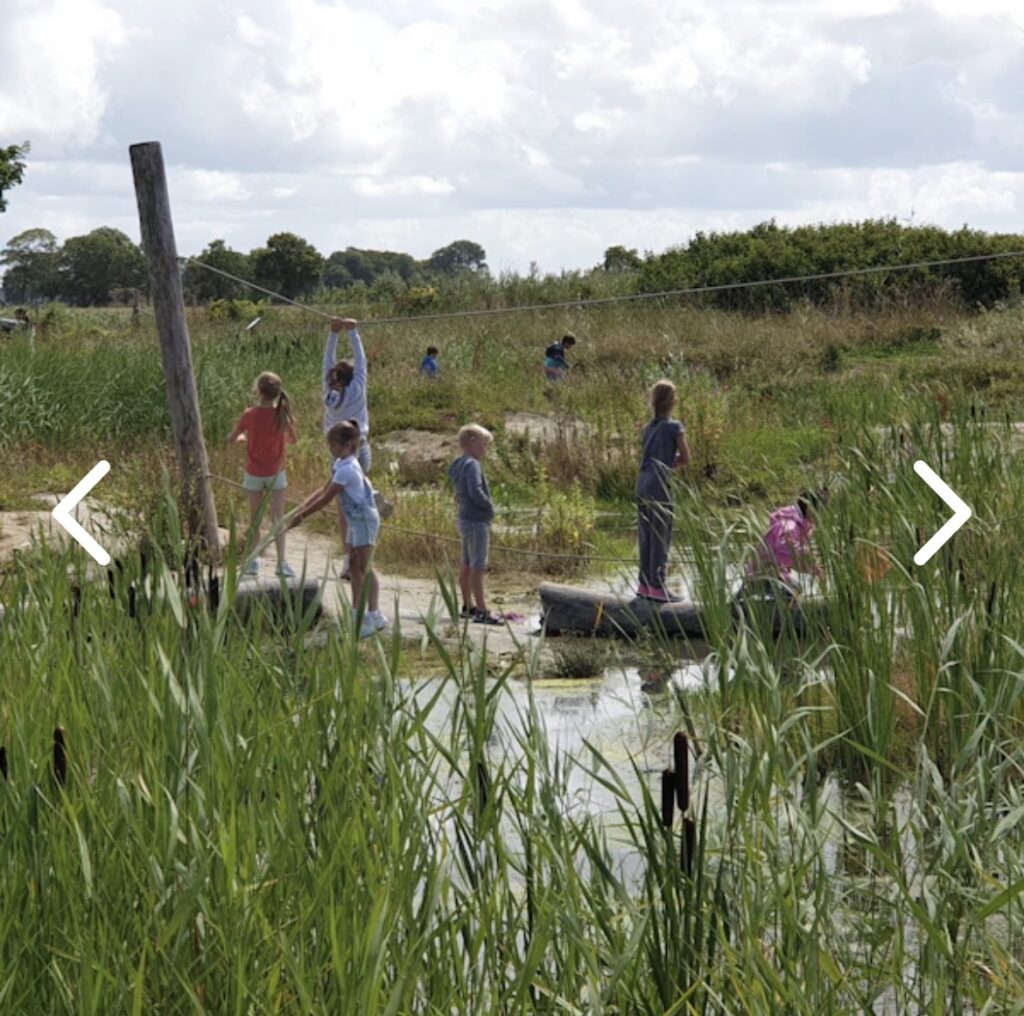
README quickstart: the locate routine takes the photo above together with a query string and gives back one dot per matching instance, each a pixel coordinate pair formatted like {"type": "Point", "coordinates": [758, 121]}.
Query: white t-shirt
{"type": "Point", "coordinates": [355, 487]}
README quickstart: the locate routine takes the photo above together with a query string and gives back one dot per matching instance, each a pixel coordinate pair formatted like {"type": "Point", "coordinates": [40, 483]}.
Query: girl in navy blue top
{"type": "Point", "coordinates": [664, 451]}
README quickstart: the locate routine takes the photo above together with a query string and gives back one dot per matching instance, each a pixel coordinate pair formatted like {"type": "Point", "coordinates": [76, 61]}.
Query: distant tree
{"type": "Point", "coordinates": [621, 259]}
{"type": "Point", "coordinates": [33, 260]}
{"type": "Point", "coordinates": [344, 268]}
{"type": "Point", "coordinates": [457, 257]}
{"type": "Point", "coordinates": [12, 168]}
{"type": "Point", "coordinates": [202, 286]}
{"type": "Point", "coordinates": [288, 265]}
{"type": "Point", "coordinates": [93, 265]}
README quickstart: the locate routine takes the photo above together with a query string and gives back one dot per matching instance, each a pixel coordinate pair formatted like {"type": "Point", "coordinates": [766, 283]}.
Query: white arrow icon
{"type": "Point", "coordinates": [62, 512]}
{"type": "Point", "coordinates": [961, 511]}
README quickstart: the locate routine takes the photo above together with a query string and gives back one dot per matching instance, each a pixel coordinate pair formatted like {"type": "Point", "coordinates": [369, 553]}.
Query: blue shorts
{"type": "Point", "coordinates": [363, 525]}
{"type": "Point", "coordinates": [279, 481]}
{"type": "Point", "coordinates": [476, 543]}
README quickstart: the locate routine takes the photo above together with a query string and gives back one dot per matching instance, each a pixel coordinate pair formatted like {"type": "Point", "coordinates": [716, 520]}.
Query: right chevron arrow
{"type": "Point", "coordinates": [961, 511]}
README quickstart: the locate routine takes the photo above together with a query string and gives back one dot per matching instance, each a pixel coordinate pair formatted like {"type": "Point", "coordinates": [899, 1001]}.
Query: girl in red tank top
{"type": "Point", "coordinates": [266, 428]}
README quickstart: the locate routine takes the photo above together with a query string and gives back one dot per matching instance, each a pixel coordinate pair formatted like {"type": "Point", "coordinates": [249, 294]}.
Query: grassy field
{"type": "Point", "coordinates": [251, 823]}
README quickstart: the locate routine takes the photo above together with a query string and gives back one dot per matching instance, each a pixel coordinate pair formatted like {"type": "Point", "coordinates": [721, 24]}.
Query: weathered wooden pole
{"type": "Point", "coordinates": [175, 348]}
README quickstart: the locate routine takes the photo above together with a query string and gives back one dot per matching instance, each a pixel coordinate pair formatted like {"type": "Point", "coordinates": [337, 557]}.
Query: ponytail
{"type": "Point", "coordinates": [283, 412]}
{"type": "Point", "coordinates": [268, 385]}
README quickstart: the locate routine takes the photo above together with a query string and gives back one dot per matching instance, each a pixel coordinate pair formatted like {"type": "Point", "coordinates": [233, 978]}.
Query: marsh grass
{"type": "Point", "coordinates": [254, 820]}
{"type": "Point", "coordinates": [251, 823]}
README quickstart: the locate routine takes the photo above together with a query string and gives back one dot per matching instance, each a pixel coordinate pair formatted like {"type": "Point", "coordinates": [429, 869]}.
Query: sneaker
{"type": "Point", "coordinates": [367, 628]}
{"type": "Point", "coordinates": [253, 567]}
{"type": "Point", "coordinates": [486, 617]}
{"type": "Point", "coordinates": [378, 620]}
{"type": "Point", "coordinates": [285, 570]}
{"type": "Point", "coordinates": [467, 611]}
{"type": "Point", "coordinates": [658, 595]}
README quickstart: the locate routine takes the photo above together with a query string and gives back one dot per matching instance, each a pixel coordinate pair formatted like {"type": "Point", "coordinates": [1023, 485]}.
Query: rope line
{"type": "Point", "coordinates": [595, 301]}
{"type": "Point", "coordinates": [550, 554]}
{"type": "Point", "coordinates": [252, 285]}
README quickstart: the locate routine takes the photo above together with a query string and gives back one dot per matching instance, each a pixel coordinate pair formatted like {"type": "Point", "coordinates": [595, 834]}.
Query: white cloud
{"type": "Point", "coordinates": [52, 58]}
{"type": "Point", "coordinates": [213, 185]}
{"type": "Point", "coordinates": [371, 187]}
{"type": "Point", "coordinates": [546, 130]}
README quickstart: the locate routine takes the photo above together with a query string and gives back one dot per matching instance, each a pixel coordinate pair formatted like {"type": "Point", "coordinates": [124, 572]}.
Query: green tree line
{"type": "Point", "coordinates": [106, 266]}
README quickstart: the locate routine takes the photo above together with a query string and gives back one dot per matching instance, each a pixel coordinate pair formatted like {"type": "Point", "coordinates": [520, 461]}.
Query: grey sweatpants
{"type": "Point", "coordinates": [654, 535]}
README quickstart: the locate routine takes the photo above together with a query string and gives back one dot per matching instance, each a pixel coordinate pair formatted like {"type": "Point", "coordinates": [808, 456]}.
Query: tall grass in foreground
{"type": "Point", "coordinates": [255, 823]}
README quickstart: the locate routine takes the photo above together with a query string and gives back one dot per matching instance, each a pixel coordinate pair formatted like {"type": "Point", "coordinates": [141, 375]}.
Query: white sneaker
{"type": "Point", "coordinates": [285, 570]}
{"type": "Point", "coordinates": [253, 567]}
{"type": "Point", "coordinates": [373, 622]}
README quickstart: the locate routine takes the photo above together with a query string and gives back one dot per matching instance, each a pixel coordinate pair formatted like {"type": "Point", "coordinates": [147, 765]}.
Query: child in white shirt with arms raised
{"type": "Point", "coordinates": [348, 483]}
{"type": "Point", "coordinates": [344, 390]}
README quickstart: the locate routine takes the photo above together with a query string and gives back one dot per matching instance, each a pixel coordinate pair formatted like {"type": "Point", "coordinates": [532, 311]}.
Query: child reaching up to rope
{"type": "Point", "coordinates": [344, 392]}
{"type": "Point", "coordinates": [476, 512]}
{"type": "Point", "coordinates": [348, 483]}
{"type": "Point", "coordinates": [266, 428]}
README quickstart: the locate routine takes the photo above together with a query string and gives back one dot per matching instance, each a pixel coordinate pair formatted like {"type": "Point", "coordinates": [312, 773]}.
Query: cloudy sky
{"type": "Point", "coordinates": [546, 130]}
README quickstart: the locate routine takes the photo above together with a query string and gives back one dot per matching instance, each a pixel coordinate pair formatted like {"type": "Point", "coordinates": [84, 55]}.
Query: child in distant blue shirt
{"type": "Point", "coordinates": [429, 367]}
{"type": "Point", "coordinates": [556, 367]}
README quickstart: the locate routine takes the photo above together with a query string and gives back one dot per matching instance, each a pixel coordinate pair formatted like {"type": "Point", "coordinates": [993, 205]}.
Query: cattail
{"type": "Point", "coordinates": [688, 846]}
{"type": "Point", "coordinates": [681, 757]}
{"type": "Point", "coordinates": [668, 798]}
{"type": "Point", "coordinates": [60, 757]}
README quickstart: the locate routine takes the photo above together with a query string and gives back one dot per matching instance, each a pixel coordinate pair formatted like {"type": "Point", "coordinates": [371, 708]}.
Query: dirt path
{"type": "Point", "coordinates": [411, 602]}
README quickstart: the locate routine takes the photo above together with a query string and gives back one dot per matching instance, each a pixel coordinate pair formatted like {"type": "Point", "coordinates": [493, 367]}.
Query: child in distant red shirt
{"type": "Point", "coordinates": [266, 428]}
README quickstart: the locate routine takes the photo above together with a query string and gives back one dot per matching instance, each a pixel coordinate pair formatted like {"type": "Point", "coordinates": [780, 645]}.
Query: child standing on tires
{"type": "Point", "coordinates": [265, 429]}
{"type": "Point", "coordinates": [476, 512]}
{"type": "Point", "coordinates": [664, 452]}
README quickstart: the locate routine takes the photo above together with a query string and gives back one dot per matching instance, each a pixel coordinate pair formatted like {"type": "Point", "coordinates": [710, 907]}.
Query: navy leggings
{"type": "Point", "coordinates": [654, 534]}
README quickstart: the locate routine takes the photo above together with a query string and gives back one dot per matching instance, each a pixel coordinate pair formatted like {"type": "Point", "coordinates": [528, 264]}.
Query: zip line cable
{"type": "Point", "coordinates": [594, 301]}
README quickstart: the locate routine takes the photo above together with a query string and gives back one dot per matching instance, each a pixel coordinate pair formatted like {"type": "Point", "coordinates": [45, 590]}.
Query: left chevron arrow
{"type": "Point", "coordinates": [64, 508]}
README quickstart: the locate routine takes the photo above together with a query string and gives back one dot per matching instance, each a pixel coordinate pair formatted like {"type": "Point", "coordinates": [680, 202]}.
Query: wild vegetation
{"type": "Point", "coordinates": [254, 820]}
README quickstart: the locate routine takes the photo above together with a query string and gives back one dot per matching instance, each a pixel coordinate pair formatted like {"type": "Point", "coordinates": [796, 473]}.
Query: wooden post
{"type": "Point", "coordinates": [175, 348]}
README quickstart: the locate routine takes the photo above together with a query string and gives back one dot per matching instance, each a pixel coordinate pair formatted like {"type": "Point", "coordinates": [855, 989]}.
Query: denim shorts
{"type": "Point", "coordinates": [476, 542]}
{"type": "Point", "coordinates": [363, 525]}
{"type": "Point", "coordinates": [279, 481]}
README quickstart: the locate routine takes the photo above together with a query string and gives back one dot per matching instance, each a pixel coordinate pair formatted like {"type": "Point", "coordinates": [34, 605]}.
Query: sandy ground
{"type": "Point", "coordinates": [411, 602]}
